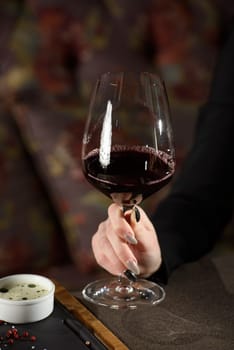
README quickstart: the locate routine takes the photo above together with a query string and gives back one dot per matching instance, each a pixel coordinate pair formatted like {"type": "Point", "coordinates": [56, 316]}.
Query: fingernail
{"type": "Point", "coordinates": [133, 266]}
{"type": "Point", "coordinates": [130, 239]}
{"type": "Point", "coordinates": [130, 275]}
{"type": "Point", "coordinates": [137, 214]}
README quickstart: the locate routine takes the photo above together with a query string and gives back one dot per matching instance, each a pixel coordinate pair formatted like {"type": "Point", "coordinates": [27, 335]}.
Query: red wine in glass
{"type": "Point", "coordinates": [140, 171]}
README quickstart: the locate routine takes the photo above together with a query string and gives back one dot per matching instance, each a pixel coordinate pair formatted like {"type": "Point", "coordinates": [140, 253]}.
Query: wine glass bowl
{"type": "Point", "coordinates": [127, 154]}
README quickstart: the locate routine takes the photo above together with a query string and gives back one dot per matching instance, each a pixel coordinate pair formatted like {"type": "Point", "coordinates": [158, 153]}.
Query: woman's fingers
{"type": "Point", "coordinates": [120, 225]}
{"type": "Point", "coordinates": [125, 242]}
{"type": "Point", "coordinates": [130, 229]}
{"type": "Point", "coordinates": [111, 251]}
{"type": "Point", "coordinates": [104, 253]}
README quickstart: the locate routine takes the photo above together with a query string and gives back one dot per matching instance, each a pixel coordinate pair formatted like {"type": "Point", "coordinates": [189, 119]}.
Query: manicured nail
{"type": "Point", "coordinates": [130, 275]}
{"type": "Point", "coordinates": [132, 266]}
{"type": "Point", "coordinates": [130, 239]}
{"type": "Point", "coordinates": [137, 214]}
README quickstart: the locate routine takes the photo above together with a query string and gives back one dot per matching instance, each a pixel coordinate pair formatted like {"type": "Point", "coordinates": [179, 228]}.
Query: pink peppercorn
{"type": "Point", "coordinates": [9, 333]}
{"type": "Point", "coordinates": [25, 334]}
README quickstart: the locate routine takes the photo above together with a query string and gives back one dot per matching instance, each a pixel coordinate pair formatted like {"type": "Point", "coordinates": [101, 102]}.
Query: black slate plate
{"type": "Point", "coordinates": [59, 331]}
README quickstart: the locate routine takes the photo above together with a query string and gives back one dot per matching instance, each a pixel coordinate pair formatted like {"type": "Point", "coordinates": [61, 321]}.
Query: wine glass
{"type": "Point", "coordinates": [127, 154]}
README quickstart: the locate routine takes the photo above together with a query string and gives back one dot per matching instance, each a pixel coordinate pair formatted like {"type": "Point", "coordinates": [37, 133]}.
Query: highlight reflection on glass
{"type": "Point", "coordinates": [106, 135]}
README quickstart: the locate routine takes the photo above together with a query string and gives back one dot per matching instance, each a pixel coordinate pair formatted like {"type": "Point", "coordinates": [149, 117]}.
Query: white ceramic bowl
{"type": "Point", "coordinates": [26, 298]}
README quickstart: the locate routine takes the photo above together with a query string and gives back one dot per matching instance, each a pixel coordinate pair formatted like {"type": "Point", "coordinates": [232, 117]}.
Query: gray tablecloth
{"type": "Point", "coordinates": [197, 314]}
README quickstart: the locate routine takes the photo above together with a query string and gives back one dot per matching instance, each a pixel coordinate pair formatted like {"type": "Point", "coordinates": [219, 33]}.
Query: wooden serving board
{"type": "Point", "coordinates": [78, 310]}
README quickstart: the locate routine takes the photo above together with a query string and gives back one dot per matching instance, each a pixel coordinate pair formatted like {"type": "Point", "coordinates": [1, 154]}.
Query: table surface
{"type": "Point", "coordinates": [197, 313]}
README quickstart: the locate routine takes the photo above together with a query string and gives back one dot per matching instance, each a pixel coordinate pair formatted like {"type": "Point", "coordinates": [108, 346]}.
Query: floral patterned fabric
{"type": "Point", "coordinates": [53, 53]}
{"type": "Point", "coordinates": [30, 235]}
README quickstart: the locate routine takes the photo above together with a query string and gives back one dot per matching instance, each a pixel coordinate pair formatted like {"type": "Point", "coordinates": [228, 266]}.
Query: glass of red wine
{"type": "Point", "coordinates": [127, 154]}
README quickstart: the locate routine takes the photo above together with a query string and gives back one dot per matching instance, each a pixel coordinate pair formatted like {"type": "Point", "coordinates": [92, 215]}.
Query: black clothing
{"type": "Point", "coordinates": [200, 204]}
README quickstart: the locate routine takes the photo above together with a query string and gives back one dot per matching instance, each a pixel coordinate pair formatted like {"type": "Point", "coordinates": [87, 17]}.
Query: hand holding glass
{"type": "Point", "coordinates": [128, 154]}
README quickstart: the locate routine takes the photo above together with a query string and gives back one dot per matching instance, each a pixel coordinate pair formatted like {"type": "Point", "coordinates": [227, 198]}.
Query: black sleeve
{"type": "Point", "coordinates": [192, 217]}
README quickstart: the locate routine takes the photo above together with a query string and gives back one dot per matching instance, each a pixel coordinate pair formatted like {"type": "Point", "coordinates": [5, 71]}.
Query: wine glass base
{"type": "Point", "coordinates": [119, 293]}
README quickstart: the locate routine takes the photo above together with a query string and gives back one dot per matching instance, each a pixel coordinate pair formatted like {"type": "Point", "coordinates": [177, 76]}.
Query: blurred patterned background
{"type": "Point", "coordinates": [51, 53]}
